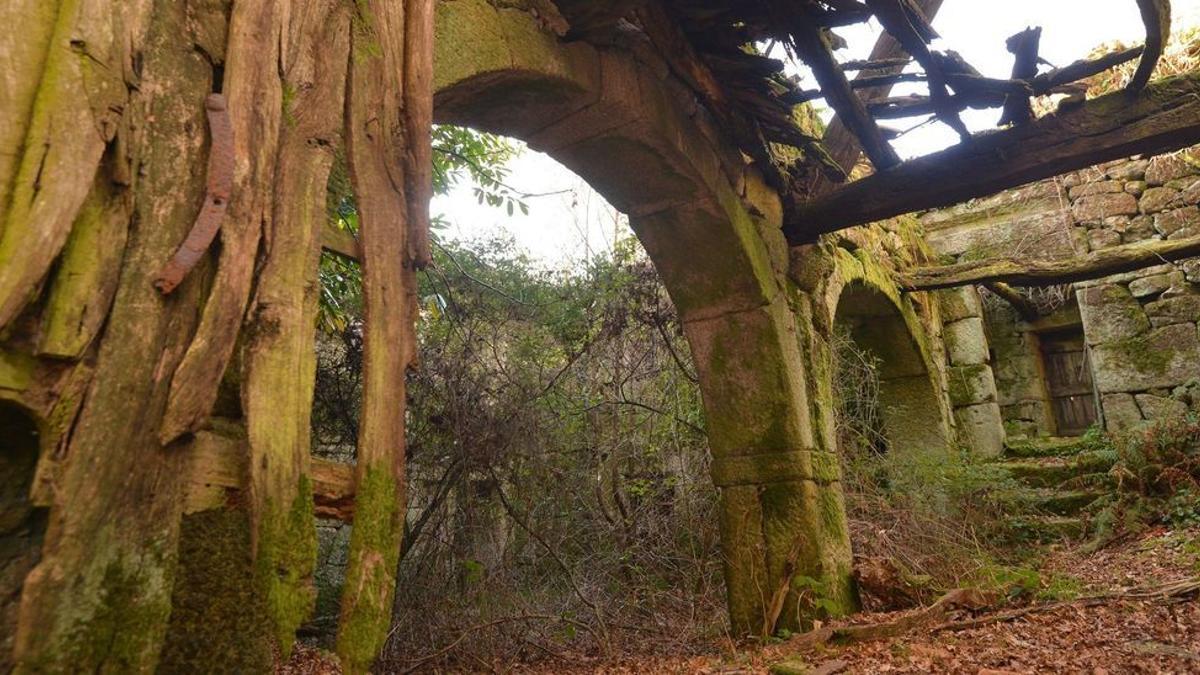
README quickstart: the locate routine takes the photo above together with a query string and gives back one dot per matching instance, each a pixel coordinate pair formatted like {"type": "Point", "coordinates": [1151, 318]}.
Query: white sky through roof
{"type": "Point", "coordinates": [563, 229]}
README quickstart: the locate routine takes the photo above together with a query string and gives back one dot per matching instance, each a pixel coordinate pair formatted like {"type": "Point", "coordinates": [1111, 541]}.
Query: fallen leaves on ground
{"type": "Point", "coordinates": [1116, 636]}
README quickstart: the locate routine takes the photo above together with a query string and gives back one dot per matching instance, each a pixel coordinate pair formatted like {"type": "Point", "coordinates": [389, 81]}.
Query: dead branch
{"type": "Point", "coordinates": [1175, 590]}
{"type": "Point", "coordinates": [972, 599]}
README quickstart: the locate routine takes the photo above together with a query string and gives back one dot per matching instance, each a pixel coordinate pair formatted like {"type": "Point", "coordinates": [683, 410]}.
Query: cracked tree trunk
{"type": "Point", "coordinates": [385, 96]}
{"type": "Point", "coordinates": [107, 116]}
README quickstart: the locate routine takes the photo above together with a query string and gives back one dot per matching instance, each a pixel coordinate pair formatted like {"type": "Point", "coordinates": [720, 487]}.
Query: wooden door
{"type": "Point", "coordinates": [1069, 381]}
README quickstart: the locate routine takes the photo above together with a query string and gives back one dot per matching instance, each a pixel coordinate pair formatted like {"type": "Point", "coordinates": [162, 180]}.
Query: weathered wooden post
{"type": "Point", "coordinates": [162, 193]}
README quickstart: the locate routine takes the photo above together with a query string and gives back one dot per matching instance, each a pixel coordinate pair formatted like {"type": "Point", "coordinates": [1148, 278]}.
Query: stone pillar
{"type": "Point", "coordinates": [782, 512]}
{"type": "Point", "coordinates": [972, 384]}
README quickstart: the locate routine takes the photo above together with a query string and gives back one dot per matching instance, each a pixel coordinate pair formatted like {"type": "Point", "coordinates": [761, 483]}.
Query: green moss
{"type": "Point", "coordinates": [77, 293]}
{"type": "Point", "coordinates": [1144, 356]}
{"type": "Point", "coordinates": [219, 622]}
{"type": "Point", "coordinates": [371, 573]}
{"type": "Point", "coordinates": [286, 562]}
{"type": "Point", "coordinates": [16, 370]}
{"type": "Point", "coordinates": [124, 624]}
{"type": "Point", "coordinates": [366, 39]}
{"type": "Point", "coordinates": [289, 104]}
{"type": "Point", "coordinates": [473, 22]}
{"type": "Point", "coordinates": [963, 383]}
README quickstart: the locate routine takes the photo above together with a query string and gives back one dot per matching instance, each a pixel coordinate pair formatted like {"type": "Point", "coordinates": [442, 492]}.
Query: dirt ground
{"type": "Point", "coordinates": [1105, 626]}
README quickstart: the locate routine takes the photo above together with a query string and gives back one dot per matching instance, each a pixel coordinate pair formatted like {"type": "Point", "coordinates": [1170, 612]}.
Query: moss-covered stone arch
{"type": "Point", "coordinates": [863, 296]}
{"type": "Point", "coordinates": [617, 117]}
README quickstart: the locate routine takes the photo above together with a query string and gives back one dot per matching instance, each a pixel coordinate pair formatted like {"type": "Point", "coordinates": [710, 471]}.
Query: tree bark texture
{"type": "Point", "coordinates": [379, 152]}
{"type": "Point", "coordinates": [104, 111]}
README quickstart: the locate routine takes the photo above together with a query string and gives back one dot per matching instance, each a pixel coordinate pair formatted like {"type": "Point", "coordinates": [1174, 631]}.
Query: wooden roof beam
{"type": "Point", "coordinates": [813, 47]}
{"type": "Point", "coordinates": [1156, 14]}
{"type": "Point", "coordinates": [1025, 273]}
{"type": "Point", "coordinates": [1164, 116]}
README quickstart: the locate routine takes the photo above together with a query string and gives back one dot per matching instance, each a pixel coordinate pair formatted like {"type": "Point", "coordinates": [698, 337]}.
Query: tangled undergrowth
{"type": "Point", "coordinates": [920, 524]}
{"type": "Point", "coordinates": [1157, 478]}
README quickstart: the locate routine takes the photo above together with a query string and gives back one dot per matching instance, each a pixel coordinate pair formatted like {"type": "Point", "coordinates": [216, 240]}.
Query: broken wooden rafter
{"type": "Point", "coordinates": [976, 91]}
{"type": "Point", "coordinates": [683, 60]}
{"type": "Point", "coordinates": [888, 56]}
{"type": "Point", "coordinates": [1047, 82]}
{"type": "Point", "coordinates": [877, 64]}
{"type": "Point", "coordinates": [1163, 117]}
{"type": "Point", "coordinates": [900, 107]}
{"type": "Point", "coordinates": [813, 47]}
{"type": "Point", "coordinates": [1024, 272]}
{"type": "Point", "coordinates": [865, 82]}
{"type": "Point", "coordinates": [843, 14]}
{"type": "Point", "coordinates": [914, 33]}
{"type": "Point", "coordinates": [1025, 47]}
{"type": "Point", "coordinates": [973, 91]}
{"type": "Point", "coordinates": [1156, 15]}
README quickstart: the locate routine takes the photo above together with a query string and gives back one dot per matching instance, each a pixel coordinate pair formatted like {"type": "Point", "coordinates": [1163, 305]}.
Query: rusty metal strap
{"type": "Point", "coordinates": [216, 198]}
{"type": "Point", "coordinates": [775, 467]}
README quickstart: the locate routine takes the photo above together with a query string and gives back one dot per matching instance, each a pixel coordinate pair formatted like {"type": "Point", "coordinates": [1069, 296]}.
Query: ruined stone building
{"type": "Point", "coordinates": [162, 184]}
{"type": "Point", "coordinates": [1112, 351]}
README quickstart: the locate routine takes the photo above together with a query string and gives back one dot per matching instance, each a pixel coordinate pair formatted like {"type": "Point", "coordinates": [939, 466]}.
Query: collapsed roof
{"type": "Point", "coordinates": [713, 46]}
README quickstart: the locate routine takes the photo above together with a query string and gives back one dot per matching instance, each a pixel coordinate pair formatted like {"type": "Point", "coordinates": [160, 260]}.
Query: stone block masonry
{"type": "Point", "coordinates": [1140, 328]}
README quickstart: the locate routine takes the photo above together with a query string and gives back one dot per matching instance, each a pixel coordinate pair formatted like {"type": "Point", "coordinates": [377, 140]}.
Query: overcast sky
{"type": "Point", "coordinates": [562, 229]}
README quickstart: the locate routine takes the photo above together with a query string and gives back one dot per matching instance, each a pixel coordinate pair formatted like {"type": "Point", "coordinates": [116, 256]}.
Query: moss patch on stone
{"type": "Point", "coordinates": [1143, 355]}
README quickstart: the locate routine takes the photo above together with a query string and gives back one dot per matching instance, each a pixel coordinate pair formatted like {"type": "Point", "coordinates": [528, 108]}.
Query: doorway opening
{"type": "Point", "coordinates": [1069, 383]}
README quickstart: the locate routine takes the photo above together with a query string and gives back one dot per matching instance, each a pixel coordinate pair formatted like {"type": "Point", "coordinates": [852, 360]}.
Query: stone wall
{"type": "Point", "coordinates": [1142, 333]}
{"type": "Point", "coordinates": [920, 338]}
{"type": "Point", "coordinates": [1140, 328]}
{"type": "Point", "coordinates": [972, 382]}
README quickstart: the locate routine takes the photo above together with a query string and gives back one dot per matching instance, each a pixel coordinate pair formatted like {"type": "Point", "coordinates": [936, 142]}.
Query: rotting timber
{"type": "Point", "coordinates": [169, 421]}
{"type": "Point", "coordinates": [145, 565]}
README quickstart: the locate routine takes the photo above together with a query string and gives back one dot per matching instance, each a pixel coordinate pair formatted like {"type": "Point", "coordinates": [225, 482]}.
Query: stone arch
{"type": "Point", "coordinates": [912, 406]}
{"type": "Point", "coordinates": [618, 118]}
